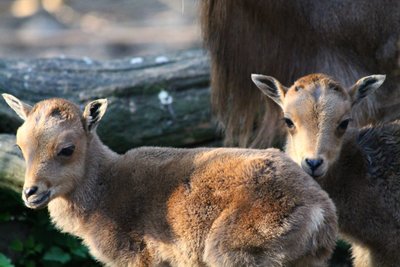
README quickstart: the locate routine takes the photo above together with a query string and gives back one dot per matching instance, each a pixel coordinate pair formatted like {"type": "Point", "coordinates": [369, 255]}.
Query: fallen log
{"type": "Point", "coordinates": [138, 114]}
{"type": "Point", "coordinates": [11, 164]}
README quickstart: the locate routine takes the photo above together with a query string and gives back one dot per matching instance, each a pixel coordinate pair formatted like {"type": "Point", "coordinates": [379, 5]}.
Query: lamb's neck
{"type": "Point", "coordinates": [83, 201]}
{"type": "Point", "coordinates": [98, 163]}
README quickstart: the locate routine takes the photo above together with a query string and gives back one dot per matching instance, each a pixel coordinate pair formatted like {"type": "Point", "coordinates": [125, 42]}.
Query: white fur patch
{"type": "Point", "coordinates": [317, 218]}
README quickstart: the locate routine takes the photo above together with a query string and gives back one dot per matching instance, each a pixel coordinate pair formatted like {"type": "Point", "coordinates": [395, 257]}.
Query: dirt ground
{"type": "Point", "coordinates": [100, 29]}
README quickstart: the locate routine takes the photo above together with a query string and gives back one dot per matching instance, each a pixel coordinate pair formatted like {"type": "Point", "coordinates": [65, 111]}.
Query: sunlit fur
{"type": "Point", "coordinates": [51, 126]}
{"type": "Point", "coordinates": [172, 207]}
{"type": "Point", "coordinates": [361, 170]}
{"type": "Point", "coordinates": [346, 39]}
{"type": "Point", "coordinates": [316, 105]}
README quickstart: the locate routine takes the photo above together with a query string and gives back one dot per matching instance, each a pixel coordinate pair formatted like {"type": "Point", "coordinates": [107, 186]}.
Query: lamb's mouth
{"type": "Point", "coordinates": [315, 174]}
{"type": "Point", "coordinates": [38, 201]}
{"type": "Point", "coordinates": [318, 174]}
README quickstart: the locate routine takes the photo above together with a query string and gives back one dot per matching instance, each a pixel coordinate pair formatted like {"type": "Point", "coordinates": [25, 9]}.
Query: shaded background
{"type": "Point", "coordinates": [101, 29]}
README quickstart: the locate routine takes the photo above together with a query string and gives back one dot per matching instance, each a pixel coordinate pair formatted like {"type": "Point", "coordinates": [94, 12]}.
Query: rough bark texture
{"type": "Point", "coordinates": [135, 115]}
{"type": "Point", "coordinates": [11, 164]}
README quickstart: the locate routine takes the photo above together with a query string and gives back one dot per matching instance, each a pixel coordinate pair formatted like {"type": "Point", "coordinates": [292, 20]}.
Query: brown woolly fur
{"type": "Point", "coordinates": [158, 206]}
{"type": "Point", "coordinates": [289, 39]}
{"type": "Point", "coordinates": [365, 186]}
{"type": "Point", "coordinates": [359, 168]}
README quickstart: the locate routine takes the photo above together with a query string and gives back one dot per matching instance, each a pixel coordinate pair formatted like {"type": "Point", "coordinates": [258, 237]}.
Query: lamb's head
{"type": "Point", "coordinates": [317, 111]}
{"type": "Point", "coordinates": [54, 139]}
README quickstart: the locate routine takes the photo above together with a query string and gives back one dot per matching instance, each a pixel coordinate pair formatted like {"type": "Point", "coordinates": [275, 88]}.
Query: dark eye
{"type": "Point", "coordinates": [343, 125]}
{"type": "Point", "coordinates": [66, 151]}
{"type": "Point", "coordinates": [289, 123]}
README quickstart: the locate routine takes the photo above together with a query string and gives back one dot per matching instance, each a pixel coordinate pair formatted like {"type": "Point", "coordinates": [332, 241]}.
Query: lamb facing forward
{"type": "Point", "coordinates": [359, 168]}
{"type": "Point", "coordinates": [164, 206]}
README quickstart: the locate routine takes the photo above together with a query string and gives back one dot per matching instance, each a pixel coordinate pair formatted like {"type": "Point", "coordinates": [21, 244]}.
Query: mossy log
{"type": "Point", "coordinates": [136, 115]}
{"type": "Point", "coordinates": [11, 164]}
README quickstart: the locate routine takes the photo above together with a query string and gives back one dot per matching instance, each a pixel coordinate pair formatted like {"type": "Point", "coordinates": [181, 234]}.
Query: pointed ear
{"type": "Point", "coordinates": [271, 87]}
{"type": "Point", "coordinates": [22, 109]}
{"type": "Point", "coordinates": [365, 86]}
{"type": "Point", "coordinates": [93, 113]}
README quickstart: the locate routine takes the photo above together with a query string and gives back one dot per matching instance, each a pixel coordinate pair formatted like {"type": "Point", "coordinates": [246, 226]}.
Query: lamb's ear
{"type": "Point", "coordinates": [93, 113]}
{"type": "Point", "coordinates": [270, 87]}
{"type": "Point", "coordinates": [22, 109]}
{"type": "Point", "coordinates": [365, 86]}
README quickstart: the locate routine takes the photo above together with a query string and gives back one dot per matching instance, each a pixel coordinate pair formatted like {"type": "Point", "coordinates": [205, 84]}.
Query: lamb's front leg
{"type": "Point", "coordinates": [362, 256]}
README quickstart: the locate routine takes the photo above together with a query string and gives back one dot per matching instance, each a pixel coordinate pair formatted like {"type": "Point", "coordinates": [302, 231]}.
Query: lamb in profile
{"type": "Point", "coordinates": [158, 206]}
{"type": "Point", "coordinates": [359, 168]}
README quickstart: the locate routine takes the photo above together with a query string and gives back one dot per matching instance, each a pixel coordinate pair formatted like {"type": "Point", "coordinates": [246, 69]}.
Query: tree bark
{"type": "Point", "coordinates": [136, 116]}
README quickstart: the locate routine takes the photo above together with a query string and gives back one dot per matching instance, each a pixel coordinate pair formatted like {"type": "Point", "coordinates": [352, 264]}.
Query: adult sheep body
{"type": "Point", "coordinates": [163, 206]}
{"type": "Point", "coordinates": [289, 39]}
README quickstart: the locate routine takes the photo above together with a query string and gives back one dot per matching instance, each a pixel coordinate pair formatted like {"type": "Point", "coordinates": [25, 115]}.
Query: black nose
{"type": "Point", "coordinates": [30, 191]}
{"type": "Point", "coordinates": [314, 163]}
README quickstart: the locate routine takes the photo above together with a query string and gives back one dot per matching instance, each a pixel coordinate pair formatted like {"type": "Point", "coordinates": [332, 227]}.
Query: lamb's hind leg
{"type": "Point", "coordinates": [239, 258]}
{"type": "Point", "coordinates": [238, 238]}
{"type": "Point", "coordinates": [218, 255]}
{"type": "Point", "coordinates": [227, 244]}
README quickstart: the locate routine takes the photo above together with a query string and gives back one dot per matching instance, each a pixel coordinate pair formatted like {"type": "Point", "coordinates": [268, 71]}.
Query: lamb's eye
{"type": "Point", "coordinates": [344, 124]}
{"type": "Point", "coordinates": [289, 123]}
{"type": "Point", "coordinates": [67, 151]}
